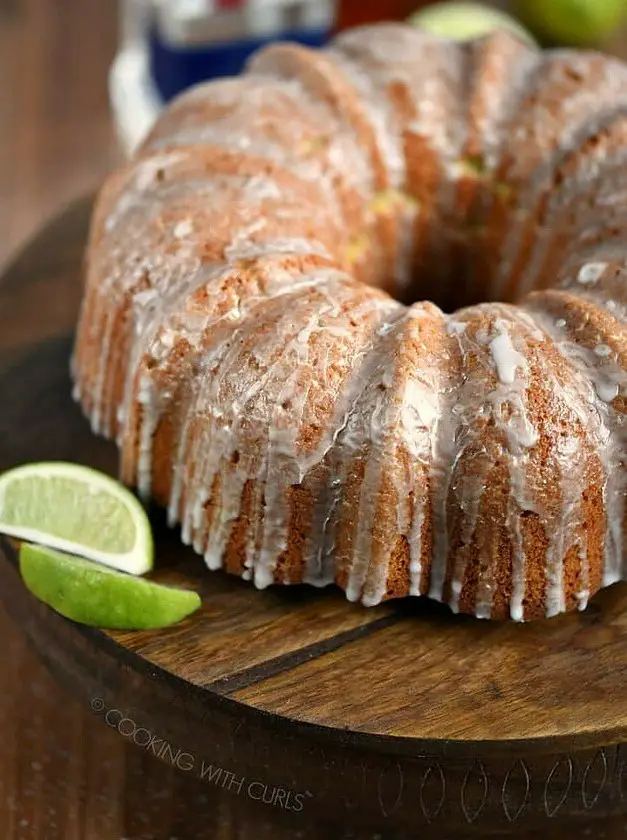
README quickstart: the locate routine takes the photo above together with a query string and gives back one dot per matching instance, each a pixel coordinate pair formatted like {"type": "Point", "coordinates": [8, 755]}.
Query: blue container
{"type": "Point", "coordinates": [167, 46]}
{"type": "Point", "coordinates": [174, 68]}
{"type": "Point", "coordinates": [193, 41]}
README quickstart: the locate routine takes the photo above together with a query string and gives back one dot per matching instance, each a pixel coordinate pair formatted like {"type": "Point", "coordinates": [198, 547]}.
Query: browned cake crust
{"type": "Point", "coordinates": [250, 332]}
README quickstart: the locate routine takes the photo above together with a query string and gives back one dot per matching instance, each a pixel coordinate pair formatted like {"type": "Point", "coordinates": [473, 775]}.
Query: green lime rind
{"type": "Point", "coordinates": [98, 596]}
{"type": "Point", "coordinates": [574, 22]}
{"type": "Point", "coordinates": [77, 510]}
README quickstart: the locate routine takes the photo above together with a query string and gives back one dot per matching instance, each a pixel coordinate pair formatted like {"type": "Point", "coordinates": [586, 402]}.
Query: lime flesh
{"type": "Point", "coordinates": [78, 510]}
{"type": "Point", "coordinates": [95, 595]}
{"type": "Point", "coordinates": [465, 21]}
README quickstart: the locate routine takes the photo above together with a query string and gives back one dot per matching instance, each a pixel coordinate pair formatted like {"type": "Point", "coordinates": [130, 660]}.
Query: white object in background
{"type": "Point", "coordinates": [134, 99]}
{"type": "Point", "coordinates": [187, 22]}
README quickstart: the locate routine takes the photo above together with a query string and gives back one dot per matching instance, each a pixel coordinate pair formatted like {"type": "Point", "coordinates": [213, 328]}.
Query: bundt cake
{"type": "Point", "coordinates": [255, 336]}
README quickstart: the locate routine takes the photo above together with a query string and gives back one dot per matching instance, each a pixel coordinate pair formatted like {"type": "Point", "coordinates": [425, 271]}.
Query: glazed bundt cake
{"type": "Point", "coordinates": [254, 333]}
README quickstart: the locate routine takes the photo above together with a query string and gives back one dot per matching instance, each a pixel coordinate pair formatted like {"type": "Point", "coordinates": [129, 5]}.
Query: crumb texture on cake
{"type": "Point", "coordinates": [256, 333]}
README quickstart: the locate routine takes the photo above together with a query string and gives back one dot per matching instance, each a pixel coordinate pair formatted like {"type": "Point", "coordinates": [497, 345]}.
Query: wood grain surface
{"type": "Point", "coordinates": [66, 775]}
{"type": "Point", "coordinates": [391, 721]}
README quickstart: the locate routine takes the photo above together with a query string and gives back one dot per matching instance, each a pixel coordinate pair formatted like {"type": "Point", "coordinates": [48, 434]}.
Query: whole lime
{"type": "Point", "coordinates": [576, 22]}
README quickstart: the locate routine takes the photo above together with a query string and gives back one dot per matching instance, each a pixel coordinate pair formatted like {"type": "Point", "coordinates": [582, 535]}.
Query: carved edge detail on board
{"type": "Point", "coordinates": [431, 807]}
{"type": "Point", "coordinates": [569, 779]}
{"type": "Point", "coordinates": [589, 794]}
{"type": "Point", "coordinates": [518, 768]}
{"type": "Point", "coordinates": [390, 788]}
{"type": "Point", "coordinates": [557, 786]}
{"type": "Point", "coordinates": [474, 792]}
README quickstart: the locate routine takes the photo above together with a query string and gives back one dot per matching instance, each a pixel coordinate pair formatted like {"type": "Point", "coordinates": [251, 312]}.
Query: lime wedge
{"type": "Point", "coordinates": [100, 597]}
{"type": "Point", "coordinates": [78, 510]}
{"type": "Point", "coordinates": [461, 21]}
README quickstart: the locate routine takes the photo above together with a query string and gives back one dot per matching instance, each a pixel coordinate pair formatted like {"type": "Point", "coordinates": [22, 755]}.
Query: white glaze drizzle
{"type": "Point", "coordinates": [591, 273]}
{"type": "Point", "coordinates": [506, 358]}
{"type": "Point", "coordinates": [445, 454]}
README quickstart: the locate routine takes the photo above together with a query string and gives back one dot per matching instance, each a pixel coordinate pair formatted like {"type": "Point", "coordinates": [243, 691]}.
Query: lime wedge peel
{"type": "Point", "coordinates": [77, 510]}
{"type": "Point", "coordinates": [98, 596]}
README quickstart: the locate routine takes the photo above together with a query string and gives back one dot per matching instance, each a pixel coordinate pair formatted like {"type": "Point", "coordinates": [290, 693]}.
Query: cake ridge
{"type": "Point", "coordinates": [274, 282]}
{"type": "Point", "coordinates": [317, 286]}
{"type": "Point", "coordinates": [587, 82]}
{"type": "Point", "coordinates": [606, 379]}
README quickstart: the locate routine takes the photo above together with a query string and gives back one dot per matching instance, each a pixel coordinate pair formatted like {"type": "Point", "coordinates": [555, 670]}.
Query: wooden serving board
{"type": "Point", "coordinates": [399, 721]}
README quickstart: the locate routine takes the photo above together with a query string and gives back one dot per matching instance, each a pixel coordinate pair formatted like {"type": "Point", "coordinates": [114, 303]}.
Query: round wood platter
{"type": "Point", "coordinates": [399, 721]}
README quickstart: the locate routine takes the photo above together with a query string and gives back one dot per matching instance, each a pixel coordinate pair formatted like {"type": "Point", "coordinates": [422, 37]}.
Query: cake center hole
{"type": "Point", "coordinates": [448, 257]}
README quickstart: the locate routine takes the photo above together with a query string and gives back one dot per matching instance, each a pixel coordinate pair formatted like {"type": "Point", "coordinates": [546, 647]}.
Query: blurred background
{"type": "Point", "coordinates": [82, 80]}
